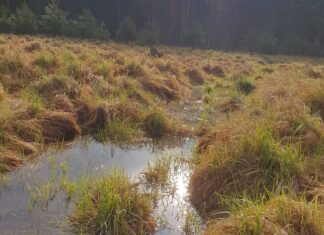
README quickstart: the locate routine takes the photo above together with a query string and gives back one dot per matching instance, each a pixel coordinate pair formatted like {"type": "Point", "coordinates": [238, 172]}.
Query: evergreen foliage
{"type": "Point", "coordinates": [127, 30]}
{"type": "Point", "coordinates": [23, 21]}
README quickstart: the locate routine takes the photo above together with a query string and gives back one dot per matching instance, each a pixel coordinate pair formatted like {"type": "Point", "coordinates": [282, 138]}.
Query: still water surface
{"type": "Point", "coordinates": [86, 157]}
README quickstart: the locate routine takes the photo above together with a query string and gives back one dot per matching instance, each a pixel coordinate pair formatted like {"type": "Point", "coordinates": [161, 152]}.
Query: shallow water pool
{"type": "Point", "coordinates": [86, 156]}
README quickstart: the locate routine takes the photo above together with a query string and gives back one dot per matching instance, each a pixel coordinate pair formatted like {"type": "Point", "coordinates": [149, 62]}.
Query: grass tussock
{"type": "Point", "coordinates": [158, 174]}
{"type": "Point", "coordinates": [112, 205]}
{"type": "Point", "coordinates": [56, 89]}
{"type": "Point", "coordinates": [231, 104]}
{"type": "Point", "coordinates": [134, 70]}
{"type": "Point", "coordinates": [244, 85]}
{"type": "Point", "coordinates": [196, 77]}
{"type": "Point", "coordinates": [299, 127]}
{"type": "Point", "coordinates": [2, 93]}
{"type": "Point", "coordinates": [58, 126]}
{"type": "Point", "coordinates": [312, 73]}
{"type": "Point", "coordinates": [315, 101]}
{"type": "Point", "coordinates": [47, 61]}
{"type": "Point", "coordinates": [159, 87]}
{"type": "Point", "coordinates": [258, 166]}
{"type": "Point", "coordinates": [216, 71]}
{"type": "Point", "coordinates": [35, 46]}
{"type": "Point", "coordinates": [8, 160]}
{"type": "Point", "coordinates": [280, 215]}
{"type": "Point", "coordinates": [273, 146]}
{"type": "Point", "coordinates": [156, 124]}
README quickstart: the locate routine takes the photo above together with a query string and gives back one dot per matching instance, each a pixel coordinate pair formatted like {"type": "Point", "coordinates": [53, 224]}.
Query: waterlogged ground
{"type": "Point", "coordinates": [31, 204]}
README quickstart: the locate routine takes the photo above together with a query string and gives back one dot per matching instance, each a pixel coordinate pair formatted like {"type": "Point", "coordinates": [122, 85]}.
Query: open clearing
{"type": "Point", "coordinates": [257, 121]}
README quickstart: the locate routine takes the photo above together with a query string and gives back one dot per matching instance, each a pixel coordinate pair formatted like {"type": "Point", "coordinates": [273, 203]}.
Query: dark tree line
{"type": "Point", "coordinates": [268, 26]}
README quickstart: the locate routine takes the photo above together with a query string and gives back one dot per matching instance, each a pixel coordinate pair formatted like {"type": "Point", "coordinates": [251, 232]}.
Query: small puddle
{"type": "Point", "coordinates": [87, 157]}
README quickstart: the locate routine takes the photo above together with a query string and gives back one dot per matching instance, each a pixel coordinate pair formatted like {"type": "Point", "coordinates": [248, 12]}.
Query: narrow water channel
{"type": "Point", "coordinates": [86, 157]}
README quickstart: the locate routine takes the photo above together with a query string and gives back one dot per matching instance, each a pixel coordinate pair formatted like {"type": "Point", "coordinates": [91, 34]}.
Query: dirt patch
{"type": "Point", "coordinates": [58, 126]}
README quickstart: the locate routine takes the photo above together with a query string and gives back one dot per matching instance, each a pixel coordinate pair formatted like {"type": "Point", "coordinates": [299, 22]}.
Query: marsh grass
{"type": "Point", "coordinates": [6, 114]}
{"type": "Point", "coordinates": [77, 77]}
{"type": "Point", "coordinates": [46, 61]}
{"type": "Point", "coordinates": [120, 130]}
{"type": "Point", "coordinates": [4, 180]}
{"type": "Point", "coordinates": [244, 85]}
{"type": "Point", "coordinates": [193, 224]}
{"type": "Point", "coordinates": [158, 173]}
{"type": "Point", "coordinates": [104, 69]}
{"type": "Point", "coordinates": [234, 162]}
{"type": "Point", "coordinates": [134, 70]}
{"type": "Point", "coordinates": [112, 205]}
{"type": "Point", "coordinates": [267, 154]}
{"type": "Point", "coordinates": [280, 215]}
{"type": "Point", "coordinates": [156, 124]}
{"type": "Point", "coordinates": [315, 101]}
{"type": "Point", "coordinates": [35, 101]}
{"type": "Point", "coordinates": [258, 166]}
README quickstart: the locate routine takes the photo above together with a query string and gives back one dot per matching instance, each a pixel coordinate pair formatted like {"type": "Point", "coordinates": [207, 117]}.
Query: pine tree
{"type": "Point", "coordinates": [54, 21]}
{"type": "Point", "coordinates": [87, 27]}
{"type": "Point", "coordinates": [24, 20]}
{"type": "Point", "coordinates": [4, 22]}
{"type": "Point", "coordinates": [127, 30]}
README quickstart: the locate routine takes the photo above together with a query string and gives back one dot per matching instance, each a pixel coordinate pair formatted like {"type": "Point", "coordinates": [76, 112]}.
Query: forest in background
{"type": "Point", "coordinates": [265, 26]}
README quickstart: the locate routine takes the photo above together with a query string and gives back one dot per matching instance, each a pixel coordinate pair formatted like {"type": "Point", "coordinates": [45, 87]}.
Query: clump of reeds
{"type": "Point", "coordinates": [112, 205]}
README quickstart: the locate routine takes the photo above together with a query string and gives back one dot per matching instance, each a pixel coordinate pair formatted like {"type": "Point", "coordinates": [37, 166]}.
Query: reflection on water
{"type": "Point", "coordinates": [84, 157]}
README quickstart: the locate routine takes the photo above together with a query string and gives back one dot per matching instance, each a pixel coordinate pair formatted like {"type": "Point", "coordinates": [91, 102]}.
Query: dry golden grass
{"type": "Point", "coordinates": [280, 215]}
{"type": "Point", "coordinates": [269, 140]}
{"type": "Point", "coordinates": [56, 89]}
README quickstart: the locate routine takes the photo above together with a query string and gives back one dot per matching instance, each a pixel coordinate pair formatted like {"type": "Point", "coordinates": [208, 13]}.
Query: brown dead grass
{"type": "Point", "coordinates": [196, 76]}
{"type": "Point", "coordinates": [215, 70]}
{"type": "Point", "coordinates": [313, 73]}
{"type": "Point", "coordinates": [315, 101]}
{"type": "Point", "coordinates": [231, 104]}
{"type": "Point", "coordinates": [158, 87]}
{"type": "Point", "coordinates": [58, 126]}
{"type": "Point", "coordinates": [35, 46]}
{"type": "Point", "coordinates": [8, 160]}
{"type": "Point", "coordinates": [2, 93]}
{"type": "Point", "coordinates": [63, 103]}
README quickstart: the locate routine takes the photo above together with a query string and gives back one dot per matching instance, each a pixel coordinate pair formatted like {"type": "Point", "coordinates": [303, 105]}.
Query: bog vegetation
{"type": "Point", "coordinates": [258, 166]}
